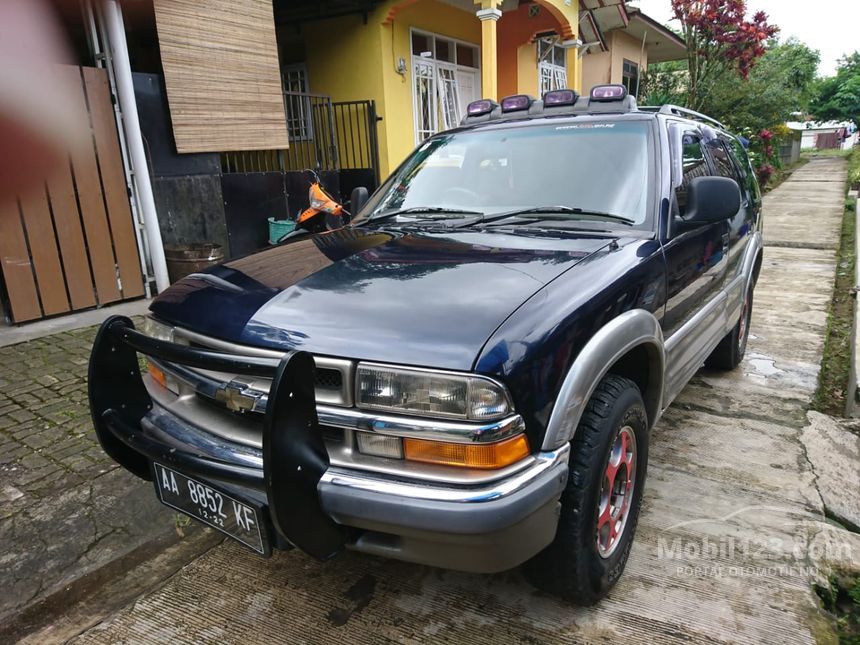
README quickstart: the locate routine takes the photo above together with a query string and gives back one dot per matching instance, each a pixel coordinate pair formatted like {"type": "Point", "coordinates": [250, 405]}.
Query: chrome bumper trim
{"type": "Point", "coordinates": [433, 429]}
{"type": "Point", "coordinates": [171, 431]}
{"type": "Point", "coordinates": [543, 462]}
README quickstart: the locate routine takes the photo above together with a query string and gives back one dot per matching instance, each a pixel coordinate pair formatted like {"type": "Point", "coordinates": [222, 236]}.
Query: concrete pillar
{"type": "Point", "coordinates": [573, 63]}
{"type": "Point", "coordinates": [489, 14]}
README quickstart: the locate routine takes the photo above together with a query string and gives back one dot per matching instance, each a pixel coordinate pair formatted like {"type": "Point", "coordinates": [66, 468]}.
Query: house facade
{"type": "Point", "coordinates": [423, 61]}
{"type": "Point", "coordinates": [206, 115]}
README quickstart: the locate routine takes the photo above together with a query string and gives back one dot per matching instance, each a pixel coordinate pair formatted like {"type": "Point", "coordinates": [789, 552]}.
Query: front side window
{"type": "Point", "coordinates": [694, 165]}
{"type": "Point", "coordinates": [593, 166]}
{"type": "Point", "coordinates": [722, 161]}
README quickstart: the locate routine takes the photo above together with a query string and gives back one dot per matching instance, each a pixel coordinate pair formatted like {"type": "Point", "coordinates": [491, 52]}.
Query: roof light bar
{"type": "Point", "coordinates": [608, 93]}
{"type": "Point", "coordinates": [557, 98]}
{"type": "Point", "coordinates": [481, 107]}
{"type": "Point", "coordinates": [516, 103]}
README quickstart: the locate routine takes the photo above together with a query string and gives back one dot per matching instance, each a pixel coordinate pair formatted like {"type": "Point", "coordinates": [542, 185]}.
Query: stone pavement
{"type": "Point", "coordinates": [66, 510]}
{"type": "Point", "coordinates": [732, 538]}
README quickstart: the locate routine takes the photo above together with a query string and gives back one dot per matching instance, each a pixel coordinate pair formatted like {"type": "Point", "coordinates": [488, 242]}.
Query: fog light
{"type": "Point", "coordinates": [379, 445]}
{"type": "Point", "coordinates": [468, 455]}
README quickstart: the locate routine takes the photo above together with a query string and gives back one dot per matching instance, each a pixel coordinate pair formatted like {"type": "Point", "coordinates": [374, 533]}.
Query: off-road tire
{"type": "Point", "coordinates": [571, 567]}
{"type": "Point", "coordinates": [730, 352]}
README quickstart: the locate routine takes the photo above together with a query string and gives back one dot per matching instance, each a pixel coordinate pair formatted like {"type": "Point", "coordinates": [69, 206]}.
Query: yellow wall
{"type": "Point", "coordinates": [342, 56]}
{"type": "Point", "coordinates": [574, 70]}
{"type": "Point", "coordinates": [596, 69]}
{"type": "Point", "coordinates": [624, 46]}
{"type": "Point", "coordinates": [527, 74]}
{"type": "Point", "coordinates": [607, 67]}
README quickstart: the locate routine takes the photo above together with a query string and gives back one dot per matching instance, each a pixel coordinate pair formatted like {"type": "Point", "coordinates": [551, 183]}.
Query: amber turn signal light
{"type": "Point", "coordinates": [485, 456]}
{"type": "Point", "coordinates": [157, 374]}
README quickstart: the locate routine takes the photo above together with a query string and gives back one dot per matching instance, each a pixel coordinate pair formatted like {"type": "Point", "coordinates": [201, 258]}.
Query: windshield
{"type": "Point", "coordinates": [593, 167]}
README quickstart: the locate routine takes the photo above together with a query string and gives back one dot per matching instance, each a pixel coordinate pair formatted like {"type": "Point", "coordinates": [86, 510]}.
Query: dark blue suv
{"type": "Point", "coordinates": [465, 375]}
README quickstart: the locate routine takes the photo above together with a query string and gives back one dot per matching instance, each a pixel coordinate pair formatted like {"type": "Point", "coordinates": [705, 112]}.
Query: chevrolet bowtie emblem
{"type": "Point", "coordinates": [236, 397]}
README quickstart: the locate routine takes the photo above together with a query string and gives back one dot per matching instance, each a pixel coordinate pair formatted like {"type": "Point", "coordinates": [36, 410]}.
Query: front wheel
{"type": "Point", "coordinates": [600, 504]}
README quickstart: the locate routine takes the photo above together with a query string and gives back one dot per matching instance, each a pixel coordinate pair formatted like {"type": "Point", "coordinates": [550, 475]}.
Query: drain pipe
{"type": "Point", "coordinates": [131, 125]}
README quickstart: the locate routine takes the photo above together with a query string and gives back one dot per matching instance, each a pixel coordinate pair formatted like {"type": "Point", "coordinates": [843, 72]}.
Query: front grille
{"type": "Point", "coordinates": [332, 382]}
{"type": "Point", "coordinates": [328, 379]}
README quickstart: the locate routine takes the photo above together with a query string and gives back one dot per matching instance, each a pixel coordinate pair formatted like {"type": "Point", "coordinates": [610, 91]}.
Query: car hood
{"type": "Point", "coordinates": [419, 297]}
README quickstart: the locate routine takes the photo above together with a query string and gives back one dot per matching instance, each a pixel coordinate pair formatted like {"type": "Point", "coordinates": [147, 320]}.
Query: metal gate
{"type": "Point", "coordinates": [357, 142]}
{"type": "Point", "coordinates": [71, 244]}
{"type": "Point", "coordinates": [324, 135]}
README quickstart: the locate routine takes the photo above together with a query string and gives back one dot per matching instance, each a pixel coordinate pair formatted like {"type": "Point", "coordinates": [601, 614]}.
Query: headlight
{"type": "Point", "coordinates": [155, 329]}
{"type": "Point", "coordinates": [411, 391]}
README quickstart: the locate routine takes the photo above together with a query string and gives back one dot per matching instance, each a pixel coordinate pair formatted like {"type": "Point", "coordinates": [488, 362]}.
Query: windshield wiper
{"type": "Point", "coordinates": [425, 210]}
{"type": "Point", "coordinates": [560, 213]}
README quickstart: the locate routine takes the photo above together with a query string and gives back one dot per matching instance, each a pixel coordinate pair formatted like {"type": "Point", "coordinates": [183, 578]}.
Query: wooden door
{"type": "Point", "coordinates": [71, 243]}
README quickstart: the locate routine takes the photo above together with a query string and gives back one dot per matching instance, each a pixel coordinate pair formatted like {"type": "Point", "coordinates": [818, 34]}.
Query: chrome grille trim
{"type": "Point", "coordinates": [354, 419]}
{"type": "Point", "coordinates": [342, 396]}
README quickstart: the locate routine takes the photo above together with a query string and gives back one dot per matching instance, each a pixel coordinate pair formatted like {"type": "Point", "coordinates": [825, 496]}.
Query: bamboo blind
{"type": "Point", "coordinates": [221, 69]}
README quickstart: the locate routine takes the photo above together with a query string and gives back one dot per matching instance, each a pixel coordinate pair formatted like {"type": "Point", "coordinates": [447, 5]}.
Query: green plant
{"type": "Point", "coordinates": [854, 169]}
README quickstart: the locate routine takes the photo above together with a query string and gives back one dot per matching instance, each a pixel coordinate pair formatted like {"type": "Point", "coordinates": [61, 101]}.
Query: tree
{"type": "Point", "coordinates": [665, 83]}
{"type": "Point", "coordinates": [719, 38]}
{"type": "Point", "coordinates": [781, 83]}
{"type": "Point", "coordinates": [837, 98]}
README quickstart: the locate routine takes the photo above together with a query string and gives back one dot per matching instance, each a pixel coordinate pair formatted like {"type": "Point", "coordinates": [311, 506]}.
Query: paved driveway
{"type": "Point", "coordinates": [728, 545]}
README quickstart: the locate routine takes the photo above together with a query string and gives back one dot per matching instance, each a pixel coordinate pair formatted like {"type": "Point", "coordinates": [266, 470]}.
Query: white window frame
{"type": "Point", "coordinates": [556, 74]}
{"type": "Point", "coordinates": [437, 115]}
{"type": "Point", "coordinates": [301, 128]}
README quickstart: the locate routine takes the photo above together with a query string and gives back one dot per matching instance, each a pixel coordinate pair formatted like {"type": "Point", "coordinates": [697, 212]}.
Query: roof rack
{"type": "Point", "coordinates": [677, 110]}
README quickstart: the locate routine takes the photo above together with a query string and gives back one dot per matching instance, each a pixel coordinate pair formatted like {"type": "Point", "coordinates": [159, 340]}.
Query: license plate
{"type": "Point", "coordinates": [239, 520]}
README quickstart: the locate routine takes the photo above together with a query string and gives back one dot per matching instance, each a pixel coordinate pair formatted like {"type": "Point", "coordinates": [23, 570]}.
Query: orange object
{"type": "Point", "coordinates": [485, 456]}
{"type": "Point", "coordinates": [320, 202]}
{"type": "Point", "coordinates": [157, 374]}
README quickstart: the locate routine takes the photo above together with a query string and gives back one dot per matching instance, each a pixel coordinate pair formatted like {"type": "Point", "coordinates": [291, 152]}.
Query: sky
{"type": "Point", "coordinates": [830, 26]}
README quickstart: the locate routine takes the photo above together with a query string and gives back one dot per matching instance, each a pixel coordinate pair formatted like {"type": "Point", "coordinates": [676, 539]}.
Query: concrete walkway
{"type": "Point", "coordinates": [732, 537]}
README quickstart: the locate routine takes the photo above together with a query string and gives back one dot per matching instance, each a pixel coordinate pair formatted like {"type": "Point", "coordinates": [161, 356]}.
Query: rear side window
{"type": "Point", "coordinates": [694, 165]}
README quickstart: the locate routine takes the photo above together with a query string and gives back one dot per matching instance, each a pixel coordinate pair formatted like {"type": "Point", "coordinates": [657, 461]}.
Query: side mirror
{"type": "Point", "coordinates": [358, 199]}
{"type": "Point", "coordinates": [709, 200]}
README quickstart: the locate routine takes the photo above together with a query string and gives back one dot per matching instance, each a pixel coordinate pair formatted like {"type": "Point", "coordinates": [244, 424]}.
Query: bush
{"type": "Point", "coordinates": [854, 169]}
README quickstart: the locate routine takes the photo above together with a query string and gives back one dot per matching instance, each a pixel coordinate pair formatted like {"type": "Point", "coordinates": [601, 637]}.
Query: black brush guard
{"type": "Point", "coordinates": [294, 456]}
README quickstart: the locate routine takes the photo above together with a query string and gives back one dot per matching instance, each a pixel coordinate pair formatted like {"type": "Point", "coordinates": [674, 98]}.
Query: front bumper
{"type": "Point", "coordinates": [308, 502]}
